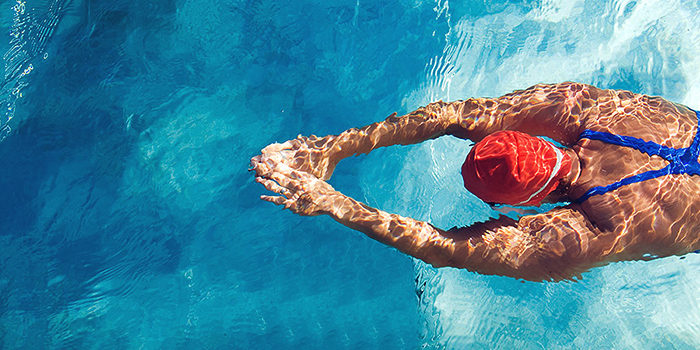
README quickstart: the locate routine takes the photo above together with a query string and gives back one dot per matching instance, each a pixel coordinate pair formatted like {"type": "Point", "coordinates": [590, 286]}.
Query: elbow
{"type": "Point", "coordinates": [440, 262]}
{"type": "Point", "coordinates": [554, 270]}
{"type": "Point", "coordinates": [437, 256]}
{"type": "Point", "coordinates": [436, 259]}
{"type": "Point", "coordinates": [534, 268]}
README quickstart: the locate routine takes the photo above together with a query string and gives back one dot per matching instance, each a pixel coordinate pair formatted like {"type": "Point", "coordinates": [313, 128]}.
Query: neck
{"type": "Point", "coordinates": [561, 193]}
{"type": "Point", "coordinates": [575, 171]}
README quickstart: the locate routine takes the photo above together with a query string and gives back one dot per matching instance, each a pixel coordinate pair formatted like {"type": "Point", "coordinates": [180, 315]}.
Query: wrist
{"type": "Point", "coordinates": [341, 207]}
{"type": "Point", "coordinates": [342, 146]}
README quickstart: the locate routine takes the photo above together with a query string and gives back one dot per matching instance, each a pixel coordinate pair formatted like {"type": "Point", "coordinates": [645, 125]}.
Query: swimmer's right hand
{"type": "Point", "coordinates": [308, 154]}
{"type": "Point", "coordinates": [300, 192]}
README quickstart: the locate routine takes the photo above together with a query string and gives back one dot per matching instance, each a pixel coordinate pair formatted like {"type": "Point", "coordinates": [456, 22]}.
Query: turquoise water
{"type": "Point", "coordinates": [130, 220]}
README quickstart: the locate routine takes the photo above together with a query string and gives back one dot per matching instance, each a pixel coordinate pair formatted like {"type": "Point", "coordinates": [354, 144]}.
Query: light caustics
{"type": "Point", "coordinates": [650, 46]}
{"type": "Point", "coordinates": [31, 30]}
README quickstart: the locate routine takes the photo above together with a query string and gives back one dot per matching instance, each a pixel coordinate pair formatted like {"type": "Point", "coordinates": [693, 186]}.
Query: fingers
{"type": "Point", "coordinates": [273, 186]}
{"type": "Point", "coordinates": [263, 165]}
{"type": "Point", "coordinates": [279, 147]}
{"type": "Point", "coordinates": [296, 185]}
{"type": "Point", "coordinates": [272, 148]}
{"type": "Point", "coordinates": [253, 162]}
{"type": "Point", "coordinates": [284, 175]}
{"type": "Point", "coordinates": [299, 191]}
{"type": "Point", "coordinates": [258, 165]}
{"type": "Point", "coordinates": [289, 184]}
{"type": "Point", "coordinates": [274, 199]}
{"type": "Point", "coordinates": [301, 153]}
{"type": "Point", "coordinates": [299, 178]}
{"type": "Point", "coordinates": [279, 200]}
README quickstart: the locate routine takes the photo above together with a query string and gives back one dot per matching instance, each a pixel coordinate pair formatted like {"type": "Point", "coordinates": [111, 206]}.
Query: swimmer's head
{"type": "Point", "coordinates": [514, 168]}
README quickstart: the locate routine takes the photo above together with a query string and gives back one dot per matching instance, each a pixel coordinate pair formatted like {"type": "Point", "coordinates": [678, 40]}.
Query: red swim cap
{"type": "Point", "coordinates": [514, 168]}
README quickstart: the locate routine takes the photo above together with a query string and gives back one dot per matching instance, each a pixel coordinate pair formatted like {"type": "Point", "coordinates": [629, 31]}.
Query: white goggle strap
{"type": "Point", "coordinates": [557, 166]}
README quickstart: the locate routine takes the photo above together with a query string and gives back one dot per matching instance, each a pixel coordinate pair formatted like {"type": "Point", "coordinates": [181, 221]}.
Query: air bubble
{"type": "Point", "coordinates": [19, 7]}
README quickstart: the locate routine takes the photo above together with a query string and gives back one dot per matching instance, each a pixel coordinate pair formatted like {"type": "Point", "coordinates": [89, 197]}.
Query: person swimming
{"type": "Point", "coordinates": [628, 168]}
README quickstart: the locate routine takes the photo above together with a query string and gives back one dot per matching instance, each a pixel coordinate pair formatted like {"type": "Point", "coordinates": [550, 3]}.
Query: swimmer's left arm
{"type": "Point", "coordinates": [559, 111]}
{"type": "Point", "coordinates": [319, 155]}
{"type": "Point", "coordinates": [555, 245]}
{"type": "Point", "coordinates": [304, 194]}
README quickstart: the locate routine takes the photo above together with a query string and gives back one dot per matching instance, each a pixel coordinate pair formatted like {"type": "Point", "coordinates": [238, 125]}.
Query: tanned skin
{"type": "Point", "coordinates": [654, 218]}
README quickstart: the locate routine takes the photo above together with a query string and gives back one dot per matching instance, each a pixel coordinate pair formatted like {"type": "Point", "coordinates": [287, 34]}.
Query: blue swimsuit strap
{"type": "Point", "coordinates": [681, 160]}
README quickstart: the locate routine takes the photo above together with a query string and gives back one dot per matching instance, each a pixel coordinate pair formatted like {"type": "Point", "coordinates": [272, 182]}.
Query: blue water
{"type": "Point", "coordinates": [130, 221]}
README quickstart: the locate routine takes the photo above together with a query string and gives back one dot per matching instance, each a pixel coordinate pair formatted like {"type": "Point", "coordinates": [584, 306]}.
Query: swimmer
{"type": "Point", "coordinates": [627, 166]}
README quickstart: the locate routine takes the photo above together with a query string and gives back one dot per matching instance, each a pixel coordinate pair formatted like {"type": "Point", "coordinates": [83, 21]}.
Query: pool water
{"type": "Point", "coordinates": [130, 220]}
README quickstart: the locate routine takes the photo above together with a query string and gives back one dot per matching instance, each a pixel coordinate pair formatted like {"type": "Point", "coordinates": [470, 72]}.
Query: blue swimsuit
{"type": "Point", "coordinates": [681, 160]}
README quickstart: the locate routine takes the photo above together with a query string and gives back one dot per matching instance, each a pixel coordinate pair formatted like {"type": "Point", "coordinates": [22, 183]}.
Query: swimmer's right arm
{"type": "Point", "coordinates": [559, 111]}
{"type": "Point", "coordinates": [556, 245]}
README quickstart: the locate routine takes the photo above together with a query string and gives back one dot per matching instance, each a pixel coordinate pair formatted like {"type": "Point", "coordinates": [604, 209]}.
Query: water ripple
{"type": "Point", "coordinates": [649, 46]}
{"type": "Point", "coordinates": [31, 30]}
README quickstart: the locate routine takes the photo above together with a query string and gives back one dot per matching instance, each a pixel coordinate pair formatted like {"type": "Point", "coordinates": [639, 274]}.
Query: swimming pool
{"type": "Point", "coordinates": [131, 221]}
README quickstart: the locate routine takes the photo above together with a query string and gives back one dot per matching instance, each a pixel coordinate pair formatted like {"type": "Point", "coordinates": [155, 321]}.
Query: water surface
{"type": "Point", "coordinates": [130, 220]}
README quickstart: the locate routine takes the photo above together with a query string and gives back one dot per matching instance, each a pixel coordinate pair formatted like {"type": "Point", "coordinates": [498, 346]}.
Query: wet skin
{"type": "Point", "coordinates": [654, 218]}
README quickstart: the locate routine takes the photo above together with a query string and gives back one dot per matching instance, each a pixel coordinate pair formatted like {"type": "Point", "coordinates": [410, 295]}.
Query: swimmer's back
{"type": "Point", "coordinates": [660, 214]}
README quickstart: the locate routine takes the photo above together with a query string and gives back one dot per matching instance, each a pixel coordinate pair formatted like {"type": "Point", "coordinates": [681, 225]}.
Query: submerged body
{"type": "Point", "coordinates": [656, 217]}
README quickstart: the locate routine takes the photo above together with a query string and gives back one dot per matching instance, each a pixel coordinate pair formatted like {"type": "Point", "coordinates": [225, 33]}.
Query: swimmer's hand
{"type": "Point", "coordinates": [301, 192]}
{"type": "Point", "coordinates": [307, 154]}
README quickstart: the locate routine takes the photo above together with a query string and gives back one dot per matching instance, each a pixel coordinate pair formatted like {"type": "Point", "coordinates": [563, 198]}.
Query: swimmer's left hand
{"type": "Point", "coordinates": [302, 193]}
{"type": "Point", "coordinates": [310, 154]}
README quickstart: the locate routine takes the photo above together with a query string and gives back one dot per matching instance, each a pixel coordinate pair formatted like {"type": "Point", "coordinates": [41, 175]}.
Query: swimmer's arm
{"type": "Point", "coordinates": [552, 246]}
{"type": "Point", "coordinates": [319, 155]}
{"type": "Point", "coordinates": [559, 111]}
{"type": "Point", "coordinates": [429, 122]}
{"type": "Point", "coordinates": [555, 245]}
